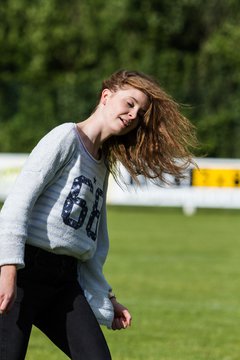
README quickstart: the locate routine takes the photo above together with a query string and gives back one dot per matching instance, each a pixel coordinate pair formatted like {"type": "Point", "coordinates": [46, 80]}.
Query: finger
{"type": "Point", "coordinates": [117, 324]}
{"type": "Point", "coordinates": [114, 325]}
{"type": "Point", "coordinates": [3, 309]}
{"type": "Point", "coordinates": [122, 324]}
{"type": "Point", "coordinates": [128, 317]}
{"type": "Point", "coordinates": [6, 304]}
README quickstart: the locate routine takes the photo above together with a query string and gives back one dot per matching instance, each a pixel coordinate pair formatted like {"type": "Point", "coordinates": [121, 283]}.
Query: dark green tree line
{"type": "Point", "coordinates": [54, 54]}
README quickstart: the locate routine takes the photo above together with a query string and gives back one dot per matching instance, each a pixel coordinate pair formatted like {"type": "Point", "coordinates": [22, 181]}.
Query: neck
{"type": "Point", "coordinates": [93, 134]}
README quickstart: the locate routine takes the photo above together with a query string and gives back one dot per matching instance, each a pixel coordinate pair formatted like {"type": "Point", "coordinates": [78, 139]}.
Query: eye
{"type": "Point", "coordinates": [130, 104]}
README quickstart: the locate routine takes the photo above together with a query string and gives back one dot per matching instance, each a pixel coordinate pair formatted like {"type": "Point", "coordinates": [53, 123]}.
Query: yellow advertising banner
{"type": "Point", "coordinates": [216, 177]}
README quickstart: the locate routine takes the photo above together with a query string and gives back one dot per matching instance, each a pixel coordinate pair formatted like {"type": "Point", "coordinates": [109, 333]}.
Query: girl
{"type": "Point", "coordinates": [53, 239]}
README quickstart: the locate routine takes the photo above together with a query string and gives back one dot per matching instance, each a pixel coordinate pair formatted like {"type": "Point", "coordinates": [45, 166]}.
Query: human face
{"type": "Point", "coordinates": [123, 109]}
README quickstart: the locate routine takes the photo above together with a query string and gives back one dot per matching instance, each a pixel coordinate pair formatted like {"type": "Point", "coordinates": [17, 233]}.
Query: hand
{"type": "Point", "coordinates": [8, 290]}
{"type": "Point", "coordinates": [122, 318]}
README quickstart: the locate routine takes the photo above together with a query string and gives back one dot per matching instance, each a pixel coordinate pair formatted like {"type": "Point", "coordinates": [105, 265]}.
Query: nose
{"type": "Point", "coordinates": [133, 114]}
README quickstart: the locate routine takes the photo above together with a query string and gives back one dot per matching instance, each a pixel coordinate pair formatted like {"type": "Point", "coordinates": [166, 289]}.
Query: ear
{"type": "Point", "coordinates": [105, 96]}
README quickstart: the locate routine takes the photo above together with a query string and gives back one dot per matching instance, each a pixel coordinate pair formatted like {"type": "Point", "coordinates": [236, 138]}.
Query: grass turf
{"type": "Point", "coordinates": [179, 276]}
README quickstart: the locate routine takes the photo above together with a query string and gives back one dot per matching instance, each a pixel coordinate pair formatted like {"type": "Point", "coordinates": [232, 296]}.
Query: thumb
{"type": "Point", "coordinates": [3, 306]}
{"type": "Point", "coordinates": [127, 316]}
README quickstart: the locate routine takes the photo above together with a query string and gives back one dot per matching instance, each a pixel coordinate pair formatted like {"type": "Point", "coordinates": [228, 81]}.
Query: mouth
{"type": "Point", "coordinates": [126, 123]}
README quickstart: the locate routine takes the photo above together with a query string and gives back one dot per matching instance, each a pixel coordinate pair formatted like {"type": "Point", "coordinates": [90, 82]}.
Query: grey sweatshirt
{"type": "Point", "coordinates": [58, 203]}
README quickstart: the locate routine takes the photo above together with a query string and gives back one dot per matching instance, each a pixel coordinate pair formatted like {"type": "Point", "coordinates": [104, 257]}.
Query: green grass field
{"type": "Point", "coordinates": [180, 277]}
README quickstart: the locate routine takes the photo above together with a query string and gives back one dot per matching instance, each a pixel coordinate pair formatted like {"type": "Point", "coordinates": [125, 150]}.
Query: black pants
{"type": "Point", "coordinates": [50, 297]}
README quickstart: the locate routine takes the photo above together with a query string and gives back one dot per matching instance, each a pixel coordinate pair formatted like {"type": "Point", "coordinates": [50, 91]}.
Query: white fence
{"type": "Point", "coordinates": [10, 166]}
{"type": "Point", "coordinates": [216, 184]}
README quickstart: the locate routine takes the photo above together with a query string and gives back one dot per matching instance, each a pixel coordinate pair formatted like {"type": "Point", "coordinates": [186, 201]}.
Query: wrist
{"type": "Point", "coordinates": [114, 302]}
{"type": "Point", "coordinates": [8, 269]}
{"type": "Point", "coordinates": [111, 296]}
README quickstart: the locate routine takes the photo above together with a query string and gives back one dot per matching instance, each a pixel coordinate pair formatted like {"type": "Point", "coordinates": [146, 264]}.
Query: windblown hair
{"type": "Point", "coordinates": [161, 143]}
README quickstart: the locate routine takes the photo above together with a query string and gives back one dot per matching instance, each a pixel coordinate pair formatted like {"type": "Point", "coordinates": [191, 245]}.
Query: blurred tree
{"type": "Point", "coordinates": [54, 55]}
{"type": "Point", "coordinates": [219, 83]}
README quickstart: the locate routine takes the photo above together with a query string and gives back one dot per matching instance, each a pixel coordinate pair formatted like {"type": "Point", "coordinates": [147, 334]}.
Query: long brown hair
{"type": "Point", "coordinates": [161, 143]}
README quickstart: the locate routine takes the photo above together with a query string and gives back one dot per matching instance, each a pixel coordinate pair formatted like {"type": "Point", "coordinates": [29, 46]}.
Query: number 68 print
{"type": "Point", "coordinates": [75, 210]}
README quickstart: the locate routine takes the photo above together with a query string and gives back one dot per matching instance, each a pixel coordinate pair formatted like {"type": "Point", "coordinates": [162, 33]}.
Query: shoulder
{"type": "Point", "coordinates": [61, 137]}
{"type": "Point", "coordinates": [61, 131]}
{"type": "Point", "coordinates": [55, 148]}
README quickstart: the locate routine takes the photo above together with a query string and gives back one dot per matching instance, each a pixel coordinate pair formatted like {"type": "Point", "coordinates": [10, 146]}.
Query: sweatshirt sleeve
{"type": "Point", "coordinates": [42, 165]}
{"type": "Point", "coordinates": [91, 277]}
